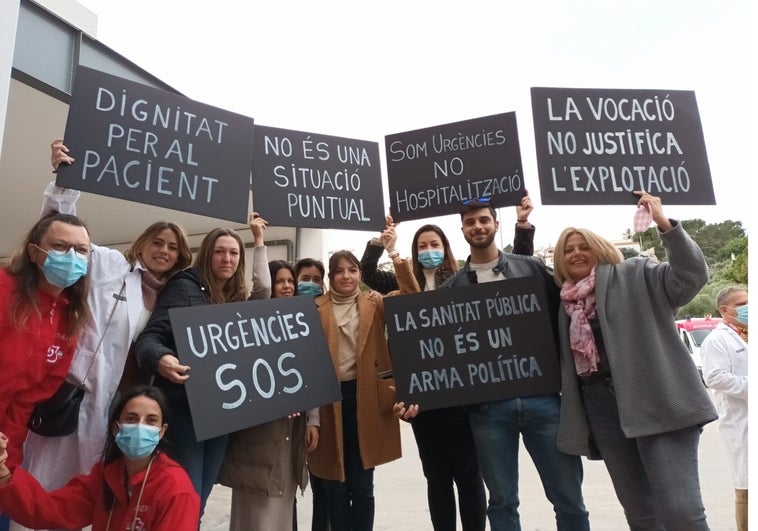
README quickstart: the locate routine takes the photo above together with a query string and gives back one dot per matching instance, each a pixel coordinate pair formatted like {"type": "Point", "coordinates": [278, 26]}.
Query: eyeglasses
{"type": "Point", "coordinates": [467, 202]}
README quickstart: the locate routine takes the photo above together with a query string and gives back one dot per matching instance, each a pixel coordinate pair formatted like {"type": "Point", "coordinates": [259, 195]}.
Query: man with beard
{"type": "Point", "coordinates": [497, 425]}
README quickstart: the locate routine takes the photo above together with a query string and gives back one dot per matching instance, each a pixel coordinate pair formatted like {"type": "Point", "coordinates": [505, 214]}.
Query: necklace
{"type": "Point", "coordinates": [139, 499]}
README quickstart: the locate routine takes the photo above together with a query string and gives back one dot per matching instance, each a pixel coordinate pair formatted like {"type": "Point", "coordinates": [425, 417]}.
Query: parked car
{"type": "Point", "coordinates": [692, 331]}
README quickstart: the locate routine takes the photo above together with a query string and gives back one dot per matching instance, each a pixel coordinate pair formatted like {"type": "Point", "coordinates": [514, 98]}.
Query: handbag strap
{"type": "Point", "coordinates": [118, 298]}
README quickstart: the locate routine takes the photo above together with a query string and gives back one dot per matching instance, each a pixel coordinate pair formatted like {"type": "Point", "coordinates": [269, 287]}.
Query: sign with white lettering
{"type": "Point", "coordinates": [432, 171]}
{"type": "Point", "coordinates": [253, 362]}
{"type": "Point", "coordinates": [473, 344]}
{"type": "Point", "coordinates": [143, 144]}
{"type": "Point", "coordinates": [597, 146]}
{"type": "Point", "coordinates": [318, 181]}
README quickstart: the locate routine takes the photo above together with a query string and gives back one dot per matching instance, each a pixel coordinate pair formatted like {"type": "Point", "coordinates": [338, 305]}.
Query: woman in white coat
{"type": "Point", "coordinates": [123, 290]}
{"type": "Point", "coordinates": [725, 360]}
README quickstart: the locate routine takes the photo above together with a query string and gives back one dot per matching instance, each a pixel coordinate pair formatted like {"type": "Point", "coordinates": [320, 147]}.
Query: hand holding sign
{"type": "Point", "coordinates": [524, 208]}
{"type": "Point", "coordinates": [59, 154]}
{"type": "Point", "coordinates": [257, 226]}
{"type": "Point", "coordinates": [173, 371]}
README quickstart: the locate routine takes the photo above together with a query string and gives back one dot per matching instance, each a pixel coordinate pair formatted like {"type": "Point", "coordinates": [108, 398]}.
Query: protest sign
{"type": "Point", "coordinates": [431, 171]}
{"type": "Point", "coordinates": [311, 180]}
{"type": "Point", "coordinates": [148, 145]}
{"type": "Point", "coordinates": [252, 362]}
{"type": "Point", "coordinates": [473, 344]}
{"type": "Point", "coordinates": [596, 146]}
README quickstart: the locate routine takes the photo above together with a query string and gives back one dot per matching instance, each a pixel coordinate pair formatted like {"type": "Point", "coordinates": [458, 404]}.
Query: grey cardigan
{"type": "Point", "coordinates": [657, 386]}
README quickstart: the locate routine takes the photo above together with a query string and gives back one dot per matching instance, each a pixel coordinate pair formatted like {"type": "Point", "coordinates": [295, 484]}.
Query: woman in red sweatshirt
{"type": "Point", "coordinates": [135, 487]}
{"type": "Point", "coordinates": [43, 311]}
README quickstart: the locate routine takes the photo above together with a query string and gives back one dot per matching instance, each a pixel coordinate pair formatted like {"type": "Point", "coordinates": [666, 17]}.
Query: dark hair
{"type": "Point", "coordinates": [476, 204]}
{"type": "Point", "coordinates": [449, 265]}
{"type": "Point", "coordinates": [233, 289]}
{"type": "Point", "coordinates": [273, 268]}
{"type": "Point", "coordinates": [112, 452]}
{"type": "Point", "coordinates": [309, 262]}
{"type": "Point", "coordinates": [28, 276]}
{"type": "Point", "coordinates": [334, 261]}
{"type": "Point", "coordinates": [184, 258]}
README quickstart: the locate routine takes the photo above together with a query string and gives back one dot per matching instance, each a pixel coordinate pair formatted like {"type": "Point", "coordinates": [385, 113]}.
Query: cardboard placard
{"type": "Point", "coordinates": [472, 344]}
{"type": "Point", "coordinates": [432, 171]}
{"type": "Point", "coordinates": [252, 362]}
{"type": "Point", "coordinates": [311, 180]}
{"type": "Point", "coordinates": [148, 145]}
{"type": "Point", "coordinates": [597, 146]}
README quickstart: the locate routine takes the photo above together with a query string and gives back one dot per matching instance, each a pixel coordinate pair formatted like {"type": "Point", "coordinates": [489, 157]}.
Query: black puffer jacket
{"type": "Point", "coordinates": [156, 340]}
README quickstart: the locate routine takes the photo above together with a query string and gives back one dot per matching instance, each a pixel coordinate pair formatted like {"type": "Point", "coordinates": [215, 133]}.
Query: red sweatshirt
{"type": "Point", "coordinates": [34, 361]}
{"type": "Point", "coordinates": [169, 502]}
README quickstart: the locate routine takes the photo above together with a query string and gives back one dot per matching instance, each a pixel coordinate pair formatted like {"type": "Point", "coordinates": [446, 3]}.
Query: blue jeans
{"type": "Point", "coordinates": [655, 477]}
{"type": "Point", "coordinates": [351, 503]}
{"type": "Point", "coordinates": [201, 460]}
{"type": "Point", "coordinates": [496, 427]}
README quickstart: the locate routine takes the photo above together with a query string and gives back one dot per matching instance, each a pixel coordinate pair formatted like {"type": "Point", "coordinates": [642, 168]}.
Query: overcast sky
{"type": "Point", "coordinates": [367, 69]}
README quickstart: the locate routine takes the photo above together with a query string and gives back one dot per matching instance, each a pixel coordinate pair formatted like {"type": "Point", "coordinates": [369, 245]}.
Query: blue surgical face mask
{"type": "Point", "coordinates": [307, 287]}
{"type": "Point", "coordinates": [63, 269]}
{"type": "Point", "coordinates": [137, 441]}
{"type": "Point", "coordinates": [430, 259]}
{"type": "Point", "coordinates": [742, 314]}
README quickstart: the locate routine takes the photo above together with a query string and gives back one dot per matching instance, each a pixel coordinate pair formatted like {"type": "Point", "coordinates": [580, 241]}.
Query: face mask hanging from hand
{"type": "Point", "coordinates": [63, 269]}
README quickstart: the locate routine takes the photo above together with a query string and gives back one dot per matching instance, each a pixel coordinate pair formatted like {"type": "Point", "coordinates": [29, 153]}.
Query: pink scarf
{"type": "Point", "coordinates": [579, 301]}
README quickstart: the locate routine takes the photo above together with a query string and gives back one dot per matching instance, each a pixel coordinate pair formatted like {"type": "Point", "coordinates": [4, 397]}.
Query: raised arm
{"type": "Point", "coordinates": [261, 274]}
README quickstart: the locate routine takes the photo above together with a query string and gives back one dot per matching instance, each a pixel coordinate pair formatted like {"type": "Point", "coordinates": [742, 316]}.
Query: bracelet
{"type": "Point", "coordinates": [394, 254]}
{"type": "Point", "coordinates": [522, 220]}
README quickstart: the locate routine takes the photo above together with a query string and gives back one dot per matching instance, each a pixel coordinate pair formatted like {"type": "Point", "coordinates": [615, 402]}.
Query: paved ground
{"type": "Point", "coordinates": [400, 492]}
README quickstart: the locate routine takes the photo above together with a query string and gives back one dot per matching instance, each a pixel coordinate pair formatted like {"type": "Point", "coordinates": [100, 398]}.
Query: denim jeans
{"type": "Point", "coordinates": [448, 456]}
{"type": "Point", "coordinates": [655, 477]}
{"type": "Point", "coordinates": [351, 503]}
{"type": "Point", "coordinates": [496, 427]}
{"type": "Point", "coordinates": [201, 460]}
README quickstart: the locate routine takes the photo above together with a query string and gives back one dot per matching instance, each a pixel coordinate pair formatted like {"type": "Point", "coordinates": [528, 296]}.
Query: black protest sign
{"type": "Point", "coordinates": [472, 344]}
{"type": "Point", "coordinates": [252, 362]}
{"type": "Point", "coordinates": [143, 144]}
{"type": "Point", "coordinates": [432, 171]}
{"type": "Point", "coordinates": [319, 181]}
{"type": "Point", "coordinates": [596, 146]}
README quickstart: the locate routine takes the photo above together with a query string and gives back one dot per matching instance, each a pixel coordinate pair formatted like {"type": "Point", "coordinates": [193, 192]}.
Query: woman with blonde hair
{"type": "Point", "coordinates": [630, 393]}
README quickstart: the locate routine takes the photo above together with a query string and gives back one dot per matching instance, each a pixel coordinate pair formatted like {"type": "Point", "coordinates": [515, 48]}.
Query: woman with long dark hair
{"type": "Point", "coordinates": [135, 486]}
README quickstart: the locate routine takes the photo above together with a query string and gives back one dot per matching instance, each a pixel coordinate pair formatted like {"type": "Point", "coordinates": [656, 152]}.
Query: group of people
{"type": "Point", "coordinates": [99, 318]}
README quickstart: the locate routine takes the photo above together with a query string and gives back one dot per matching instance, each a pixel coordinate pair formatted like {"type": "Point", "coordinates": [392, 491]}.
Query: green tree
{"type": "Point", "coordinates": [629, 252]}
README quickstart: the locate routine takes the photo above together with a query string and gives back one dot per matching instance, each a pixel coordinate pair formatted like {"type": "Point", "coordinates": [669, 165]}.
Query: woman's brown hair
{"type": "Point", "coordinates": [231, 290]}
{"type": "Point", "coordinates": [184, 259]}
{"type": "Point", "coordinates": [29, 274]}
{"type": "Point", "coordinates": [448, 266]}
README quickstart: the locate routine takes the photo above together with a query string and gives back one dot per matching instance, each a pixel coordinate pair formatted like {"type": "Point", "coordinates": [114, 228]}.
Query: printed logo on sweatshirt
{"type": "Point", "coordinates": [54, 353]}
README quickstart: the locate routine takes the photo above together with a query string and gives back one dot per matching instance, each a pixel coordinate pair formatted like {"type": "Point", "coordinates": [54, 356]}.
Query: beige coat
{"type": "Point", "coordinates": [378, 429]}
